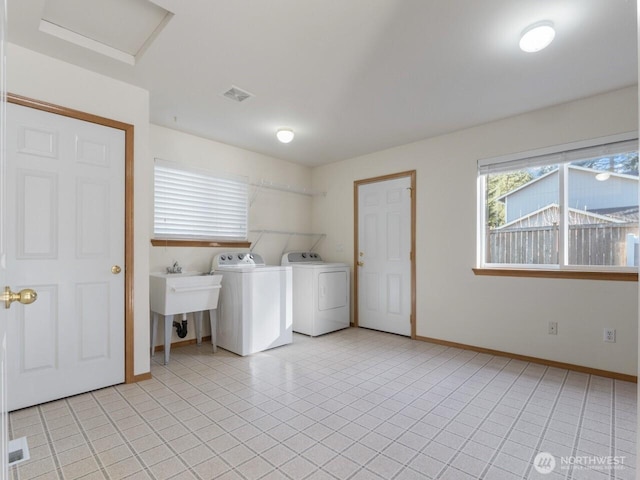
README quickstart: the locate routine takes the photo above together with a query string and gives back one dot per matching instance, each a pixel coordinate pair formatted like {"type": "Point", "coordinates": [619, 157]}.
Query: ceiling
{"type": "Point", "coordinates": [350, 77]}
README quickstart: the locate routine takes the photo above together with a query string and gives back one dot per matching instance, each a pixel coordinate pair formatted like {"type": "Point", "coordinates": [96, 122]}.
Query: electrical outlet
{"type": "Point", "coordinates": [553, 328]}
{"type": "Point", "coordinates": [609, 335]}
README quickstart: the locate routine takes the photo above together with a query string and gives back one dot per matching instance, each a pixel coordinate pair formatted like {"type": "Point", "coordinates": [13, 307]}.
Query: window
{"type": "Point", "coordinates": [565, 208]}
{"type": "Point", "coordinates": [190, 204]}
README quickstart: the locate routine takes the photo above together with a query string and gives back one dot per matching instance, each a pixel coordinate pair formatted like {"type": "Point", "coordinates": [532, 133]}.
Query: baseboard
{"type": "Point", "coordinates": [541, 361]}
{"type": "Point", "coordinates": [140, 378]}
{"type": "Point", "coordinates": [182, 343]}
{"type": "Point", "coordinates": [446, 343]}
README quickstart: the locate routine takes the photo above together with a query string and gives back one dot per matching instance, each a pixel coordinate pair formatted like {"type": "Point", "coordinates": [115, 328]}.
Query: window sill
{"type": "Point", "coordinates": [569, 274]}
{"type": "Point", "coordinates": [198, 243]}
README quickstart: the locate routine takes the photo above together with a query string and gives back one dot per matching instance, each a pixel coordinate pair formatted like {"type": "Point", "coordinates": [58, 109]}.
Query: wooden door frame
{"type": "Point", "coordinates": [356, 249]}
{"type": "Point", "coordinates": [129, 376]}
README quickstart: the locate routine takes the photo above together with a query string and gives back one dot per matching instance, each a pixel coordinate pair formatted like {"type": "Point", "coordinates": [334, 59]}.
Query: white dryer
{"type": "Point", "coordinates": [320, 293]}
{"type": "Point", "coordinates": [255, 309]}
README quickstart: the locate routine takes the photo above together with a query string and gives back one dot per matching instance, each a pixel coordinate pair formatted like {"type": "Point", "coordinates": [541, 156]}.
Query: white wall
{"type": "Point", "coordinates": [502, 313]}
{"type": "Point", "coordinates": [508, 314]}
{"type": "Point", "coordinates": [270, 210]}
{"type": "Point", "coordinates": [80, 89]}
{"type": "Point", "coordinates": [43, 78]}
{"type": "Point", "coordinates": [637, 128]}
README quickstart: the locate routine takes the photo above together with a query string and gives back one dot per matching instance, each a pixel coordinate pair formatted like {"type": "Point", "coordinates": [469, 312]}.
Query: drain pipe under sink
{"type": "Point", "coordinates": [181, 329]}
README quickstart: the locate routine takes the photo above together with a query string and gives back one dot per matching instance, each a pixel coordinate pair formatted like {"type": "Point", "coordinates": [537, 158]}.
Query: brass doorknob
{"type": "Point", "coordinates": [361, 264]}
{"type": "Point", "coordinates": [116, 269]}
{"type": "Point", "coordinates": [25, 296]}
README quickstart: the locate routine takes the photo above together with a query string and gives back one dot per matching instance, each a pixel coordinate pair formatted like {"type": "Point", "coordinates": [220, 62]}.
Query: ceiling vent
{"type": "Point", "coordinates": [237, 94]}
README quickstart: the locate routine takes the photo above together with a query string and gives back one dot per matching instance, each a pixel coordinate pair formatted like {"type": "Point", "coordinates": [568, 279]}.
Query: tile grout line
{"type": "Point", "coordinates": [612, 471]}
{"type": "Point", "coordinates": [442, 363]}
{"type": "Point", "coordinates": [441, 429]}
{"type": "Point", "coordinates": [579, 429]}
{"type": "Point", "coordinates": [86, 439]}
{"type": "Point", "coordinates": [479, 368]}
{"type": "Point", "coordinates": [165, 442]}
{"type": "Point", "coordinates": [320, 467]}
{"type": "Point", "coordinates": [126, 441]}
{"type": "Point", "coordinates": [299, 407]}
{"type": "Point", "coordinates": [416, 421]}
{"type": "Point", "coordinates": [278, 442]}
{"type": "Point", "coordinates": [470, 359]}
{"type": "Point", "coordinates": [536, 450]}
{"type": "Point", "coordinates": [504, 439]}
{"type": "Point", "coordinates": [231, 468]}
{"type": "Point", "coordinates": [486, 417]}
{"type": "Point", "coordinates": [50, 443]}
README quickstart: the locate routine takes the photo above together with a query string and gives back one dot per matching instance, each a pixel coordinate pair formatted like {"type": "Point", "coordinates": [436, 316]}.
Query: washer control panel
{"type": "Point", "coordinates": [235, 259]}
{"type": "Point", "coordinates": [300, 257]}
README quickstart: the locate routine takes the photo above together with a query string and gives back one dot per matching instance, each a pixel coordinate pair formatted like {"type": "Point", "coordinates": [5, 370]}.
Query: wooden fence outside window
{"type": "Point", "coordinates": [594, 244]}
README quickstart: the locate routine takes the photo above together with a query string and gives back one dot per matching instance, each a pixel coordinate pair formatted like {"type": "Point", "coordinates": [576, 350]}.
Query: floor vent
{"type": "Point", "coordinates": [237, 94]}
{"type": "Point", "coordinates": [18, 451]}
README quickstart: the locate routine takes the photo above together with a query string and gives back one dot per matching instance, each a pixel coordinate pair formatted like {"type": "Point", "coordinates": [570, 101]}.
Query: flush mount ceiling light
{"type": "Point", "coordinates": [603, 176]}
{"type": "Point", "coordinates": [537, 36]}
{"type": "Point", "coordinates": [285, 135]}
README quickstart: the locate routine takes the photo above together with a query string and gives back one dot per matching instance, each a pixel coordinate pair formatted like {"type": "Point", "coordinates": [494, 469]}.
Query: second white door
{"type": "Point", "coordinates": [384, 255]}
{"type": "Point", "coordinates": [65, 192]}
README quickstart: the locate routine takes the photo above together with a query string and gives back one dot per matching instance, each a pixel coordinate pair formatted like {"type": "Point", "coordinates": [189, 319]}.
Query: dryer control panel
{"type": "Point", "coordinates": [300, 257]}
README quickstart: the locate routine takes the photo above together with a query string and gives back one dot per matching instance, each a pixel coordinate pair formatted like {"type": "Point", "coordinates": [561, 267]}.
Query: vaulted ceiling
{"type": "Point", "coordinates": [348, 76]}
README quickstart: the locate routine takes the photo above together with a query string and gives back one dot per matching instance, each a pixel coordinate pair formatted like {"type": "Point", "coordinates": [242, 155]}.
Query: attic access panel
{"type": "Point", "coordinates": [121, 29]}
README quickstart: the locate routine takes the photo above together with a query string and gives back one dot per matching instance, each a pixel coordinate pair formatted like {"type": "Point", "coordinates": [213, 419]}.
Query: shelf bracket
{"type": "Point", "coordinates": [289, 235]}
{"type": "Point", "coordinates": [320, 237]}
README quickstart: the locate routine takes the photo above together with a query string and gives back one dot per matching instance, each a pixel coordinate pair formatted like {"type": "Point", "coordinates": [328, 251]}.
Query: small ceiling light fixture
{"type": "Point", "coordinates": [537, 36]}
{"type": "Point", "coordinates": [603, 176]}
{"type": "Point", "coordinates": [285, 135]}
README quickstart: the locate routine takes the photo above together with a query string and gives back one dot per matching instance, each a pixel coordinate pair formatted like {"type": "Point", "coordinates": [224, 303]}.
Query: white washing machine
{"type": "Point", "coordinates": [320, 293]}
{"type": "Point", "coordinates": [255, 309]}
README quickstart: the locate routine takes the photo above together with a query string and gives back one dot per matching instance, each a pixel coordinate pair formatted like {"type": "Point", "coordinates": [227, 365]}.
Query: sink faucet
{"type": "Point", "coordinates": [175, 268]}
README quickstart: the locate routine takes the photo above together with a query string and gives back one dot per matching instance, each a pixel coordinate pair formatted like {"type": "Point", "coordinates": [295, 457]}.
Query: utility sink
{"type": "Point", "coordinates": [173, 293]}
{"type": "Point", "coordinates": [181, 293]}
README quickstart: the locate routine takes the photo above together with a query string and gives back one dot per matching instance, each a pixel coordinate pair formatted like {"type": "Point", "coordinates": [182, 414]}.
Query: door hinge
{"type": "Point", "coordinates": [410, 255]}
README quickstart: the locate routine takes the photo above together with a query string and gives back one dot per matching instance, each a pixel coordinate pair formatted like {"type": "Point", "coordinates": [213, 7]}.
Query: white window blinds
{"type": "Point", "coordinates": [193, 204]}
{"type": "Point", "coordinates": [560, 154]}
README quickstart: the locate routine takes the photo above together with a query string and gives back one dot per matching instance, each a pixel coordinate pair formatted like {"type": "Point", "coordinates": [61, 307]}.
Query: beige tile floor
{"type": "Point", "coordinates": [354, 404]}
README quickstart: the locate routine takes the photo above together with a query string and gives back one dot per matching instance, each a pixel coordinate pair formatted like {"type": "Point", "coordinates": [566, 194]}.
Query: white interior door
{"type": "Point", "coordinates": [4, 437]}
{"type": "Point", "coordinates": [65, 197]}
{"type": "Point", "coordinates": [384, 255]}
